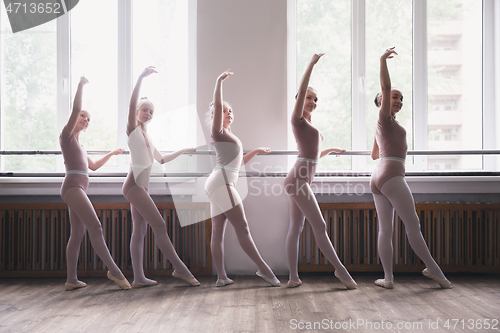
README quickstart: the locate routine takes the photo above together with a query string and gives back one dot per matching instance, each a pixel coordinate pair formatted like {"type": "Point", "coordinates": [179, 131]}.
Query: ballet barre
{"type": "Point", "coordinates": [274, 152]}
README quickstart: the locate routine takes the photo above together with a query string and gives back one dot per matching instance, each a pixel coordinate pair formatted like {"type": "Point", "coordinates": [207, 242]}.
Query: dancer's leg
{"type": "Point", "coordinates": [219, 223]}
{"type": "Point", "coordinates": [397, 191]}
{"type": "Point", "coordinates": [140, 199]}
{"type": "Point", "coordinates": [73, 247]}
{"type": "Point", "coordinates": [140, 228]}
{"type": "Point", "coordinates": [385, 215]}
{"type": "Point", "coordinates": [237, 218]}
{"type": "Point", "coordinates": [304, 197]}
{"type": "Point", "coordinates": [80, 204]}
{"type": "Point", "coordinates": [297, 220]}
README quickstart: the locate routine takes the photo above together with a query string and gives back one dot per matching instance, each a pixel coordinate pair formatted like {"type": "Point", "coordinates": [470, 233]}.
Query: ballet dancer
{"type": "Point", "coordinates": [388, 184]}
{"type": "Point", "coordinates": [135, 190]}
{"type": "Point", "coordinates": [225, 202]}
{"type": "Point", "coordinates": [82, 215]}
{"type": "Point", "coordinates": [303, 203]}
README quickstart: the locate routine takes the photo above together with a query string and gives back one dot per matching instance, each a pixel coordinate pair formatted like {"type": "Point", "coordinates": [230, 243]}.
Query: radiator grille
{"type": "Point", "coordinates": [33, 240]}
{"type": "Point", "coordinates": [461, 238]}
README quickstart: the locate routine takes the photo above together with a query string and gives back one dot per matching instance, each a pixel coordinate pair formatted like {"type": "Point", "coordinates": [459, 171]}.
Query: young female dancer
{"type": "Point", "coordinates": [73, 191]}
{"type": "Point", "coordinates": [135, 190]}
{"type": "Point", "coordinates": [388, 184]}
{"type": "Point", "coordinates": [225, 202]}
{"type": "Point", "coordinates": [297, 185]}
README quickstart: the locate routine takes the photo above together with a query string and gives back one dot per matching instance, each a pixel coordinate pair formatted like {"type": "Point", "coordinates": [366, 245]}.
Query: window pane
{"type": "Point", "coordinates": [94, 51]}
{"type": "Point", "coordinates": [454, 81]}
{"type": "Point", "coordinates": [28, 95]}
{"type": "Point", "coordinates": [388, 24]}
{"type": "Point", "coordinates": [325, 26]}
{"type": "Point", "coordinates": [161, 35]}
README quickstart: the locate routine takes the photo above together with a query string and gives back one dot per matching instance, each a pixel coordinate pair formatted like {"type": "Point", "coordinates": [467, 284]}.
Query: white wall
{"type": "Point", "coordinates": [250, 38]}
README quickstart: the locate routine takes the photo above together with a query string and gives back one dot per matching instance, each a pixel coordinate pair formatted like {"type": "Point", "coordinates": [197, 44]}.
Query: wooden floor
{"type": "Point", "coordinates": [249, 305]}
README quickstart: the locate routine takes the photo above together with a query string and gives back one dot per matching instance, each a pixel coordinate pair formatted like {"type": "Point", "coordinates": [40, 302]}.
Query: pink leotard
{"type": "Point", "coordinates": [309, 140]}
{"type": "Point", "coordinates": [391, 140]}
{"type": "Point", "coordinates": [75, 161]}
{"type": "Point", "coordinates": [141, 155]}
{"type": "Point", "coordinates": [229, 156]}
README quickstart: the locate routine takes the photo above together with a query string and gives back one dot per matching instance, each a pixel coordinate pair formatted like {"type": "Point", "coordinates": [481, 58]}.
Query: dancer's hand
{"type": "Point", "coordinates": [189, 150]}
{"type": "Point", "coordinates": [315, 58]}
{"type": "Point", "coordinates": [388, 53]}
{"type": "Point", "coordinates": [263, 150]}
{"type": "Point", "coordinates": [148, 71]}
{"type": "Point", "coordinates": [224, 75]}
{"type": "Point", "coordinates": [83, 81]}
{"type": "Point", "coordinates": [332, 150]}
{"type": "Point", "coordinates": [117, 151]}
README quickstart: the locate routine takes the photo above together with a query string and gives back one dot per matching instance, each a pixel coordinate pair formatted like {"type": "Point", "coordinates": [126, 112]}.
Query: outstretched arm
{"type": "Point", "coordinates": [171, 156]}
{"type": "Point", "coordinates": [385, 82]}
{"type": "Point", "coordinates": [248, 156]}
{"type": "Point", "coordinates": [94, 165]}
{"type": "Point", "coordinates": [298, 110]}
{"type": "Point", "coordinates": [217, 102]}
{"type": "Point", "coordinates": [331, 150]}
{"type": "Point", "coordinates": [77, 107]}
{"type": "Point", "coordinates": [132, 117]}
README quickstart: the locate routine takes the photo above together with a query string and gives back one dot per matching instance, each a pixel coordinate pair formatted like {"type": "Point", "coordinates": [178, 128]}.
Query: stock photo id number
{"type": "Point", "coordinates": [26, 14]}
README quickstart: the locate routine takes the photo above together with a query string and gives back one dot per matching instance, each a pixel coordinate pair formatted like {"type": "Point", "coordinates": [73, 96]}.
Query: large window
{"type": "Point", "coordinates": [443, 69]}
{"type": "Point", "coordinates": [110, 42]}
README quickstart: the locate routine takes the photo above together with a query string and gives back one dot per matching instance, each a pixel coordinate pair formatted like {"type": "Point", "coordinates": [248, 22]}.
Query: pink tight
{"type": "Point", "coordinates": [236, 216]}
{"type": "Point", "coordinates": [144, 211]}
{"type": "Point", "coordinates": [82, 216]}
{"type": "Point", "coordinates": [397, 195]}
{"type": "Point", "coordinates": [303, 205]}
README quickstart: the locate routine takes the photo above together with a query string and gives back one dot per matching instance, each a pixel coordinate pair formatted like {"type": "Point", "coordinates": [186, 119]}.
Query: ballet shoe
{"type": "Point", "coordinates": [223, 282]}
{"type": "Point", "coordinates": [384, 284]}
{"type": "Point", "coordinates": [444, 283]}
{"type": "Point", "coordinates": [348, 284]}
{"type": "Point", "coordinates": [71, 286]}
{"type": "Point", "coordinates": [273, 281]}
{"type": "Point", "coordinates": [150, 283]}
{"type": "Point", "coordinates": [124, 284]}
{"type": "Point", "coordinates": [192, 281]}
{"type": "Point", "coordinates": [293, 284]}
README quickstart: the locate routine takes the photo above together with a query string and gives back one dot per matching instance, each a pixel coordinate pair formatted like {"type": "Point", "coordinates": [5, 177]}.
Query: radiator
{"type": "Point", "coordinates": [461, 238]}
{"type": "Point", "coordinates": [33, 239]}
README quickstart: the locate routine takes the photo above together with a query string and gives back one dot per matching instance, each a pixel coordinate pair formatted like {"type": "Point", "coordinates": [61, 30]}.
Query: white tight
{"type": "Point", "coordinates": [144, 211]}
{"type": "Point", "coordinates": [397, 195]}
{"type": "Point", "coordinates": [236, 216]}
{"type": "Point", "coordinates": [303, 204]}
{"type": "Point", "coordinates": [82, 216]}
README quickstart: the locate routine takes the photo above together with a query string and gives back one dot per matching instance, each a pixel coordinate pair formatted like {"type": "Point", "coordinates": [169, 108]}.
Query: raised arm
{"type": "Point", "coordinates": [77, 107]}
{"type": "Point", "coordinates": [217, 101]}
{"type": "Point", "coordinates": [132, 116]}
{"type": "Point", "coordinates": [94, 165]}
{"type": "Point", "coordinates": [385, 82]}
{"type": "Point", "coordinates": [298, 110]}
{"type": "Point", "coordinates": [248, 156]}
{"type": "Point", "coordinates": [171, 156]}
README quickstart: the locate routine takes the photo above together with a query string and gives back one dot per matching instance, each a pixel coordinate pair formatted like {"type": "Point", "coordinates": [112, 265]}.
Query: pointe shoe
{"type": "Point", "coordinates": [444, 283]}
{"type": "Point", "coordinates": [273, 282]}
{"type": "Point", "coordinates": [124, 284]}
{"type": "Point", "coordinates": [192, 281]}
{"type": "Point", "coordinates": [293, 284]}
{"type": "Point", "coordinates": [71, 286]}
{"type": "Point", "coordinates": [384, 284]}
{"type": "Point", "coordinates": [150, 283]}
{"type": "Point", "coordinates": [223, 282]}
{"type": "Point", "coordinates": [348, 284]}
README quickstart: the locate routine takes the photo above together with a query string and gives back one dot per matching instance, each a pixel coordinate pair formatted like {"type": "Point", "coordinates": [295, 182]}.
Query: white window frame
{"type": "Point", "coordinates": [491, 79]}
